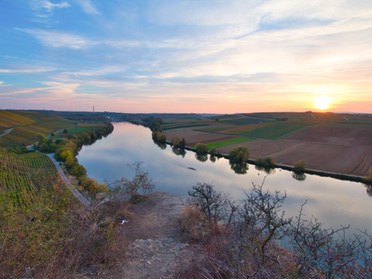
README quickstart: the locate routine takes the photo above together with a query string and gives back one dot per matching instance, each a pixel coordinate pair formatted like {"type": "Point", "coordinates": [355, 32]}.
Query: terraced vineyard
{"type": "Point", "coordinates": [22, 175]}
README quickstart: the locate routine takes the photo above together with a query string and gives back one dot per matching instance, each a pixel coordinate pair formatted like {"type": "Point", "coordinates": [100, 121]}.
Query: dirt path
{"type": "Point", "coordinates": [5, 132]}
{"type": "Point", "coordinates": [151, 239]}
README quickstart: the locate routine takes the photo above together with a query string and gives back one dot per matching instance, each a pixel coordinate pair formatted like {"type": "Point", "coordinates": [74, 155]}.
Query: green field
{"type": "Point", "coordinates": [271, 126]}
{"type": "Point", "coordinates": [227, 142]}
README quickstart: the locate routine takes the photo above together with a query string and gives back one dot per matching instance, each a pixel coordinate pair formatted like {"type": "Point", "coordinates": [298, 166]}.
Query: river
{"type": "Point", "coordinates": [333, 202]}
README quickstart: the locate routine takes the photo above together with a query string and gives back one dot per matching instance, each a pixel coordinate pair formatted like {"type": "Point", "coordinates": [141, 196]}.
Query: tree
{"type": "Point", "coordinates": [211, 203]}
{"type": "Point", "coordinates": [239, 155]}
{"type": "Point", "coordinates": [175, 142]}
{"type": "Point", "coordinates": [299, 166]}
{"type": "Point", "coordinates": [201, 149]}
{"type": "Point", "coordinates": [141, 184]}
{"type": "Point", "coordinates": [263, 219]}
{"type": "Point", "coordinates": [159, 137]}
{"type": "Point", "coordinates": [368, 178]}
{"type": "Point", "coordinates": [238, 159]}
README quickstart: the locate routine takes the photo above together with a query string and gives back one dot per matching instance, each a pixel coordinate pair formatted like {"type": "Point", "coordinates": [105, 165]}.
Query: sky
{"type": "Point", "coordinates": [181, 56]}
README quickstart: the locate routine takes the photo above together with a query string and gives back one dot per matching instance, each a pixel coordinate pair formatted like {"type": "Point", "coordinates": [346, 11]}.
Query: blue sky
{"type": "Point", "coordinates": [185, 56]}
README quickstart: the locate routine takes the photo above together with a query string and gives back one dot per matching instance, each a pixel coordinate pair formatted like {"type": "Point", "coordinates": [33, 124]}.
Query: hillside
{"type": "Point", "coordinates": [22, 127]}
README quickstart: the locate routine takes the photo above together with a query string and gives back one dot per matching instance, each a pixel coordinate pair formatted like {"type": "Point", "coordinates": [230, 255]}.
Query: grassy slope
{"type": "Point", "coordinates": [27, 126]}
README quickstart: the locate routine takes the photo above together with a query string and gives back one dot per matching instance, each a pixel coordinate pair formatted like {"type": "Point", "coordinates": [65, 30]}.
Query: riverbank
{"type": "Point", "coordinates": [323, 173]}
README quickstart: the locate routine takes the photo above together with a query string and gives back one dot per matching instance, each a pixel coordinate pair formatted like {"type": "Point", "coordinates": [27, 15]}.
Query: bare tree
{"type": "Point", "coordinates": [263, 221]}
{"type": "Point", "coordinates": [140, 184]}
{"type": "Point", "coordinates": [211, 202]}
{"type": "Point", "coordinates": [329, 252]}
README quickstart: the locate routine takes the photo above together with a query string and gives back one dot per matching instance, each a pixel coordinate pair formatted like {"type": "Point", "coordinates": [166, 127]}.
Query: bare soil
{"type": "Point", "coordinates": [346, 150]}
{"type": "Point", "coordinates": [150, 240]}
{"type": "Point", "coordinates": [354, 160]}
{"type": "Point", "coordinates": [192, 137]}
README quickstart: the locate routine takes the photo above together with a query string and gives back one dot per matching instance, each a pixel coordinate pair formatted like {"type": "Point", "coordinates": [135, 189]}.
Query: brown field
{"type": "Point", "coordinates": [327, 142]}
{"type": "Point", "coordinates": [354, 160]}
{"type": "Point", "coordinates": [335, 135]}
{"type": "Point", "coordinates": [192, 137]}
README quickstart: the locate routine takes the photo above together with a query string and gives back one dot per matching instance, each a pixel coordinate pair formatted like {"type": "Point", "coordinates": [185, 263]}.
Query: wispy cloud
{"type": "Point", "coordinates": [49, 6]}
{"type": "Point", "coordinates": [59, 39]}
{"type": "Point", "coordinates": [1, 83]}
{"type": "Point", "coordinates": [44, 8]}
{"type": "Point", "coordinates": [88, 7]}
{"type": "Point", "coordinates": [29, 70]}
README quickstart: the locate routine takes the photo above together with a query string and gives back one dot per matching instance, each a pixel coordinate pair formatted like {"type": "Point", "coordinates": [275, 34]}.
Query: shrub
{"type": "Point", "coordinates": [201, 149]}
{"type": "Point", "coordinates": [266, 163]}
{"type": "Point", "coordinates": [141, 184]}
{"type": "Point", "coordinates": [299, 166]}
{"type": "Point", "coordinates": [239, 155]}
{"type": "Point", "coordinates": [368, 178]}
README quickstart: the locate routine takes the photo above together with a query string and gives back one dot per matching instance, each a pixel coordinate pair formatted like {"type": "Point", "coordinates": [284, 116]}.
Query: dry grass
{"type": "Point", "coordinates": [57, 238]}
{"type": "Point", "coordinates": [192, 223]}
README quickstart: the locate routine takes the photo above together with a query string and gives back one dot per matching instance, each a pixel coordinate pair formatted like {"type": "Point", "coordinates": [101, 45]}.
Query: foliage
{"type": "Point", "coordinates": [299, 166]}
{"type": "Point", "coordinates": [368, 178]}
{"type": "Point", "coordinates": [141, 184]}
{"type": "Point", "coordinates": [159, 137]}
{"type": "Point", "coordinates": [68, 149]}
{"type": "Point", "coordinates": [154, 123]}
{"type": "Point", "coordinates": [266, 163]}
{"type": "Point", "coordinates": [201, 149]}
{"type": "Point", "coordinates": [239, 155]}
{"type": "Point", "coordinates": [238, 159]}
{"type": "Point", "coordinates": [178, 143]}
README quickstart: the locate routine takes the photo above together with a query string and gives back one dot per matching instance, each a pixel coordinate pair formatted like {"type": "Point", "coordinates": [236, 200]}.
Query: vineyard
{"type": "Point", "coordinates": [23, 175]}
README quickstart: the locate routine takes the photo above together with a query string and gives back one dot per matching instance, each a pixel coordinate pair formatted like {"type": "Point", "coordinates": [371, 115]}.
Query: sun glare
{"type": "Point", "coordinates": [322, 102]}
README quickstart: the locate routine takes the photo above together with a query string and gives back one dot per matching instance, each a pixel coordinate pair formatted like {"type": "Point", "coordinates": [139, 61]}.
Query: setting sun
{"type": "Point", "coordinates": [322, 102]}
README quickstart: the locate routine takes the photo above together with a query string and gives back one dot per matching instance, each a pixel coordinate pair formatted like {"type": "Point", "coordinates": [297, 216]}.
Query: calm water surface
{"type": "Point", "coordinates": [333, 202]}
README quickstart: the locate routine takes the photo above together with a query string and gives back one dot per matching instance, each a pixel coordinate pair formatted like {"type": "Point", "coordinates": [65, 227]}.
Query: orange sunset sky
{"type": "Point", "coordinates": [186, 56]}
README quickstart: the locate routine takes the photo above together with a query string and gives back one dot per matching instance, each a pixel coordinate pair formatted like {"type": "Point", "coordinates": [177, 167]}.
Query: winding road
{"type": "Point", "coordinates": [86, 202]}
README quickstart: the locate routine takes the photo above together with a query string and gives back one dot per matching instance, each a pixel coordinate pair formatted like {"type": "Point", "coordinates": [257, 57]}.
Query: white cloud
{"type": "Point", "coordinates": [49, 6]}
{"type": "Point", "coordinates": [1, 83]}
{"type": "Point", "coordinates": [29, 70]}
{"type": "Point", "coordinates": [59, 39]}
{"type": "Point", "coordinates": [88, 7]}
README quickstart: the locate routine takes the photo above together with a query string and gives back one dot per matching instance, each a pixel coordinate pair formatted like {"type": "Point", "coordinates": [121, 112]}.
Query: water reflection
{"type": "Point", "coordinates": [267, 170]}
{"type": "Point", "coordinates": [239, 167]}
{"type": "Point", "coordinates": [299, 176]}
{"type": "Point", "coordinates": [179, 151]}
{"type": "Point", "coordinates": [332, 201]}
{"type": "Point", "coordinates": [201, 157]}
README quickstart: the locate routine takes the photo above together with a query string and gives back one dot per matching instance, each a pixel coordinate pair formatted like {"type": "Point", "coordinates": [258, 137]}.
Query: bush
{"type": "Point", "coordinates": [141, 184]}
{"type": "Point", "coordinates": [299, 166]}
{"type": "Point", "coordinates": [265, 163]}
{"type": "Point", "coordinates": [238, 159]}
{"type": "Point", "coordinates": [239, 155]}
{"type": "Point", "coordinates": [201, 149]}
{"type": "Point", "coordinates": [368, 178]}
